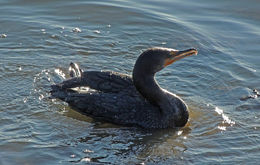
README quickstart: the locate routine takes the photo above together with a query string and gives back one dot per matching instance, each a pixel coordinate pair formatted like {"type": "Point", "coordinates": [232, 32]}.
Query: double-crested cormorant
{"type": "Point", "coordinates": [122, 99]}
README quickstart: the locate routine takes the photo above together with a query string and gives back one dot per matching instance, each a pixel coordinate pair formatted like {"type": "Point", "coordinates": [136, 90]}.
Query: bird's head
{"type": "Point", "coordinates": [155, 59]}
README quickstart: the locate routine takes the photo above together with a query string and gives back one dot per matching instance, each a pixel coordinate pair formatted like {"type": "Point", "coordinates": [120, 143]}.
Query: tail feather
{"type": "Point", "coordinates": [75, 70]}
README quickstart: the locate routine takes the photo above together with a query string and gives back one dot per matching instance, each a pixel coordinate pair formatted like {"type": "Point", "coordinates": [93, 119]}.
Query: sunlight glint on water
{"type": "Point", "coordinates": [39, 39]}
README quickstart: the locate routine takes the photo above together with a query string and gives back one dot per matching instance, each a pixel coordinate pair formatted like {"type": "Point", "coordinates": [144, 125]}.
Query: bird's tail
{"type": "Point", "coordinates": [74, 70]}
{"type": "Point", "coordinates": [58, 90]}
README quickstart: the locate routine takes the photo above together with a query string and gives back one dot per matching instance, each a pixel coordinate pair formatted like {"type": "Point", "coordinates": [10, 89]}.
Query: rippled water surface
{"type": "Point", "coordinates": [38, 40]}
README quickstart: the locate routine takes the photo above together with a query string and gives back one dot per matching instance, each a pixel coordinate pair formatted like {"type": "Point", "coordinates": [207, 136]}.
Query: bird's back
{"type": "Point", "coordinates": [112, 97]}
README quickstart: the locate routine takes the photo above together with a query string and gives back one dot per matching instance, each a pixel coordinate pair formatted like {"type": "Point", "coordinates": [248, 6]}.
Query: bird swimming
{"type": "Point", "coordinates": [135, 100]}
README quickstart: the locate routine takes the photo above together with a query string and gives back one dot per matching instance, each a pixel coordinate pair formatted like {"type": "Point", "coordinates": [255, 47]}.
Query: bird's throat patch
{"type": "Point", "coordinates": [168, 62]}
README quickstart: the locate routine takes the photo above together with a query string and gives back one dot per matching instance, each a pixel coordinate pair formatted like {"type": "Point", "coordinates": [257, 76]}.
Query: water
{"type": "Point", "coordinates": [40, 38]}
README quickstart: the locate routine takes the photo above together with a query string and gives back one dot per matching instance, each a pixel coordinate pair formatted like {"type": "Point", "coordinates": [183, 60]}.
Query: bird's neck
{"type": "Point", "coordinates": [148, 87]}
{"type": "Point", "coordinates": [151, 91]}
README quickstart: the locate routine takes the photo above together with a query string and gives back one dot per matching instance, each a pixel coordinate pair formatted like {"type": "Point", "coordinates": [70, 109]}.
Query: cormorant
{"type": "Point", "coordinates": [125, 100]}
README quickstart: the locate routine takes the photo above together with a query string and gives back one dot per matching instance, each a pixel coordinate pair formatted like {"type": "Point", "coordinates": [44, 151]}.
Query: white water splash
{"type": "Point", "coordinates": [179, 133]}
{"type": "Point", "coordinates": [60, 73]}
{"type": "Point", "coordinates": [96, 31]}
{"type": "Point", "coordinates": [76, 30]}
{"type": "Point", "coordinates": [226, 119]}
{"type": "Point", "coordinates": [222, 128]}
{"type": "Point", "coordinates": [87, 151]}
{"type": "Point", "coordinates": [86, 160]}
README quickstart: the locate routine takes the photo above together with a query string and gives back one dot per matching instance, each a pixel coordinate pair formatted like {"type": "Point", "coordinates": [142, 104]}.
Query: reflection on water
{"type": "Point", "coordinates": [39, 39]}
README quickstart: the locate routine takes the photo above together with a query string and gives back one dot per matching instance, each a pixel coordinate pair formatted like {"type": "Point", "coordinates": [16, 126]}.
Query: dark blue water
{"type": "Point", "coordinates": [38, 40]}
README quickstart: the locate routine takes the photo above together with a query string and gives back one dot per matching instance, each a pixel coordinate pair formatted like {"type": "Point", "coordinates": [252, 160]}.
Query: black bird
{"type": "Point", "coordinates": [122, 99]}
